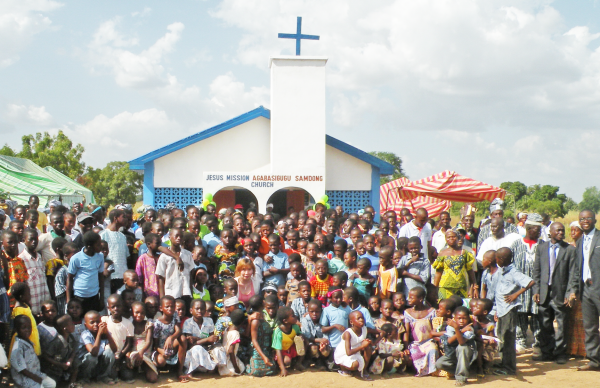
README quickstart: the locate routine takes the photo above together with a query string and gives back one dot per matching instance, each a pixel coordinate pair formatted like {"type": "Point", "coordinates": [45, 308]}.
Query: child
{"type": "Point", "coordinates": [282, 295]}
{"type": "Point", "coordinates": [354, 352]}
{"type": "Point", "coordinates": [171, 280]}
{"type": "Point", "coordinates": [334, 320]}
{"type": "Point", "coordinates": [374, 304]}
{"type": "Point", "coordinates": [141, 352]}
{"type": "Point", "coordinates": [121, 330]}
{"type": "Point", "coordinates": [200, 337]}
{"type": "Point", "coordinates": [443, 314]}
{"type": "Point", "coordinates": [35, 270]}
{"type": "Point", "coordinates": [86, 273]}
{"type": "Point", "coordinates": [389, 356]}
{"type": "Point", "coordinates": [75, 311]}
{"type": "Point", "coordinates": [387, 275]}
{"type": "Point", "coordinates": [277, 269]}
{"type": "Point", "coordinates": [337, 263]}
{"type": "Point", "coordinates": [13, 266]}
{"type": "Point", "coordinates": [226, 254]}
{"type": "Point", "coordinates": [321, 281]}
{"type": "Point", "coordinates": [109, 269]}
{"type": "Point", "coordinates": [511, 284]}
{"type": "Point", "coordinates": [300, 304]}
{"type": "Point", "coordinates": [146, 265]}
{"type": "Point", "coordinates": [152, 304]}
{"type": "Point", "coordinates": [25, 366]}
{"type": "Point", "coordinates": [58, 346]}
{"type": "Point", "coordinates": [168, 345]}
{"type": "Point", "coordinates": [292, 285]}
{"type": "Point", "coordinates": [97, 359]}
{"type": "Point", "coordinates": [261, 362]}
{"type": "Point", "coordinates": [417, 320]}
{"type": "Point", "coordinates": [318, 346]}
{"type": "Point", "coordinates": [414, 268]}
{"type": "Point", "coordinates": [55, 264]}
{"type": "Point", "coordinates": [350, 258]}
{"type": "Point", "coordinates": [200, 257]}
{"type": "Point", "coordinates": [128, 297]}
{"type": "Point", "coordinates": [363, 280]}
{"type": "Point", "coordinates": [270, 311]}
{"type": "Point", "coordinates": [461, 350]}
{"type": "Point", "coordinates": [20, 291]}
{"type": "Point", "coordinates": [360, 248]}
{"type": "Point", "coordinates": [351, 297]}
{"type": "Point", "coordinates": [371, 254]}
{"type": "Point", "coordinates": [131, 282]}
{"type": "Point", "coordinates": [489, 278]}
{"type": "Point", "coordinates": [311, 260]}
{"type": "Point", "coordinates": [199, 290]}
{"type": "Point", "coordinates": [399, 301]}
{"type": "Point", "coordinates": [180, 311]}
{"type": "Point", "coordinates": [250, 253]}
{"type": "Point", "coordinates": [339, 280]}
{"type": "Point", "coordinates": [231, 343]}
{"type": "Point", "coordinates": [387, 310]}
{"type": "Point", "coordinates": [292, 238]}
{"type": "Point", "coordinates": [487, 353]}
{"type": "Point", "coordinates": [60, 281]}
{"type": "Point", "coordinates": [288, 342]}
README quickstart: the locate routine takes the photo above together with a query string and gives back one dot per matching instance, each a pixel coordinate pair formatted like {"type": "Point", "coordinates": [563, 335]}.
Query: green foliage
{"type": "Point", "coordinates": [7, 151]}
{"type": "Point", "coordinates": [591, 199]}
{"type": "Point", "coordinates": [394, 160]}
{"type": "Point", "coordinates": [113, 184]}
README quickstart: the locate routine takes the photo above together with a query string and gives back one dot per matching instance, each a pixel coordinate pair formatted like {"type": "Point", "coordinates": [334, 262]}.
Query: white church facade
{"type": "Point", "coordinates": [288, 159]}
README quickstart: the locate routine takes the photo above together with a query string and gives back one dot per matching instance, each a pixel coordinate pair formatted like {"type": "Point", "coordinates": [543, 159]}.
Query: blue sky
{"type": "Point", "coordinates": [498, 90]}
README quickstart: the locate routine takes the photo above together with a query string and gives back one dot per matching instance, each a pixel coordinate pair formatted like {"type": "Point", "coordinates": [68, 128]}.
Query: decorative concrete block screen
{"type": "Point", "coordinates": [180, 196]}
{"type": "Point", "coordinates": [351, 200]}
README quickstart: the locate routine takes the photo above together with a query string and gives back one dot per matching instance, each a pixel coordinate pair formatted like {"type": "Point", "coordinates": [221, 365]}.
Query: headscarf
{"type": "Point", "coordinates": [575, 224]}
{"type": "Point", "coordinates": [497, 204]}
{"type": "Point", "coordinates": [534, 219]}
{"type": "Point", "coordinates": [231, 301]}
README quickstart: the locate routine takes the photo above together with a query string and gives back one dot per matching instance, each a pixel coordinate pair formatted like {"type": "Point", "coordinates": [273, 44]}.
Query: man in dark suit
{"type": "Point", "coordinates": [587, 281]}
{"type": "Point", "coordinates": [555, 261]}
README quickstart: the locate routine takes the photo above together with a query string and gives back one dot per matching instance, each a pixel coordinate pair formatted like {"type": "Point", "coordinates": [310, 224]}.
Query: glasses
{"type": "Point", "coordinates": [586, 219]}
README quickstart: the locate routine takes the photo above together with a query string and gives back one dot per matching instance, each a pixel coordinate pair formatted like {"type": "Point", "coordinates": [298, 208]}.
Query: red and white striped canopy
{"type": "Point", "coordinates": [389, 200]}
{"type": "Point", "coordinates": [450, 186]}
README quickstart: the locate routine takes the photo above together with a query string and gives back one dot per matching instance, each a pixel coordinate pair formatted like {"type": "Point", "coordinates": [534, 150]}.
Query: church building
{"type": "Point", "coordinates": [287, 159]}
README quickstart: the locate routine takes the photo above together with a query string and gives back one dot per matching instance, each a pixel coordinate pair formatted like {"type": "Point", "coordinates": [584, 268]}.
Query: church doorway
{"type": "Point", "coordinates": [231, 196]}
{"type": "Point", "coordinates": [290, 199]}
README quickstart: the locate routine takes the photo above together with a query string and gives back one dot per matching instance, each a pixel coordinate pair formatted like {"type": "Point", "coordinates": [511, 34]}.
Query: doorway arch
{"type": "Point", "coordinates": [234, 195]}
{"type": "Point", "coordinates": [288, 198]}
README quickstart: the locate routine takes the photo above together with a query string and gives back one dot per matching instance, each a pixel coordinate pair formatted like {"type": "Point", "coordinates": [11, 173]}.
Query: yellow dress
{"type": "Point", "coordinates": [454, 274]}
{"type": "Point", "coordinates": [34, 337]}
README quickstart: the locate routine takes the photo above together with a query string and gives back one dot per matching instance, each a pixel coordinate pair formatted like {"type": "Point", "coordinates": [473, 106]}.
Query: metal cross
{"type": "Point", "coordinates": [298, 35]}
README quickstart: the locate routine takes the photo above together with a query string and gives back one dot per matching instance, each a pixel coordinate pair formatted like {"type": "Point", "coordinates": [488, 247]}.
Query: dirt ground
{"type": "Point", "coordinates": [529, 374]}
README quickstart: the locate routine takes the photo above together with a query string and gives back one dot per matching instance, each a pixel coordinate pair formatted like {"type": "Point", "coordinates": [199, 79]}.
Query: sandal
{"type": "Point", "coordinates": [344, 373]}
{"type": "Point", "coordinates": [500, 372]}
{"type": "Point", "coordinates": [366, 377]}
{"type": "Point", "coordinates": [184, 379]}
{"type": "Point", "coordinates": [299, 342]}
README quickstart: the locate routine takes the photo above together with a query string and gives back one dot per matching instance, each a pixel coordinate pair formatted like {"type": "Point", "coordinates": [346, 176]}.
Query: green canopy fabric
{"type": "Point", "coordinates": [20, 178]}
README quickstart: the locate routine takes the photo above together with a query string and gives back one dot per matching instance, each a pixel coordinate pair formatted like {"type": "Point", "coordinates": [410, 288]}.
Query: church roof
{"type": "Point", "coordinates": [138, 164]}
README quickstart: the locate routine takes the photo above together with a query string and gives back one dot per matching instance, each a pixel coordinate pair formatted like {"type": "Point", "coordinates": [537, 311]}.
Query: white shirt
{"type": "Point", "coordinates": [439, 240]}
{"type": "Point", "coordinates": [177, 283]}
{"type": "Point", "coordinates": [491, 243]}
{"type": "Point", "coordinates": [45, 246]}
{"type": "Point", "coordinates": [410, 230]}
{"type": "Point", "coordinates": [587, 243]}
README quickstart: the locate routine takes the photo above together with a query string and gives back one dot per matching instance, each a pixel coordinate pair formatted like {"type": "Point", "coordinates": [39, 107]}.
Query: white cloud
{"type": "Point", "coordinates": [143, 13]}
{"type": "Point", "coordinates": [28, 115]}
{"type": "Point", "coordinates": [20, 21]}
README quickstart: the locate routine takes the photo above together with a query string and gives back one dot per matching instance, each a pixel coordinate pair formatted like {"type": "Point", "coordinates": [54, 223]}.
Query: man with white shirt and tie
{"type": "Point", "coordinates": [588, 282]}
{"type": "Point", "coordinates": [555, 262]}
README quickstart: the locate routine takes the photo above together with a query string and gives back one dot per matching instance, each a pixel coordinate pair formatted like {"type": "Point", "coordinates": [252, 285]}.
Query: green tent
{"type": "Point", "coordinates": [20, 178]}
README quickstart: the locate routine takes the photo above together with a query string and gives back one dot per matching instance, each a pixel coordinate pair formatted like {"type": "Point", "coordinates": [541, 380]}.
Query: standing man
{"type": "Point", "coordinates": [118, 251]}
{"type": "Point", "coordinates": [85, 221]}
{"type": "Point", "coordinates": [555, 262]}
{"type": "Point", "coordinates": [439, 238]}
{"type": "Point", "coordinates": [34, 203]}
{"type": "Point", "coordinates": [588, 274]}
{"type": "Point", "coordinates": [496, 211]}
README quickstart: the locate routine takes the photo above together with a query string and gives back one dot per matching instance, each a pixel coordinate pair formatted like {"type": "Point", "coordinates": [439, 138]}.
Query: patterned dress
{"type": "Point", "coordinates": [226, 262]}
{"type": "Point", "coordinates": [146, 271]}
{"type": "Point", "coordinates": [454, 276]}
{"type": "Point", "coordinates": [17, 272]}
{"type": "Point", "coordinates": [423, 349]}
{"type": "Point", "coordinates": [256, 366]}
{"type": "Point", "coordinates": [161, 332]}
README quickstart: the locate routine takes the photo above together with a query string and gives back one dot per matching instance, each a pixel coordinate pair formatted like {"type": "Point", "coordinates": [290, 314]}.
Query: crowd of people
{"type": "Point", "coordinates": [87, 298]}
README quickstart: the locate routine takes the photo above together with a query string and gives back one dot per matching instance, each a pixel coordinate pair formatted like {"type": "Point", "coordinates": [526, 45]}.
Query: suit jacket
{"type": "Point", "coordinates": [565, 266]}
{"type": "Point", "coordinates": [594, 264]}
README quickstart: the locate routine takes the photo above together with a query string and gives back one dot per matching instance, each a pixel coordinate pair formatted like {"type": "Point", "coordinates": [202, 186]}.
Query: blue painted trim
{"type": "Point", "coordinates": [384, 167]}
{"type": "Point", "coordinates": [149, 183]}
{"type": "Point", "coordinates": [375, 186]}
{"type": "Point", "coordinates": [138, 164]}
{"type": "Point", "coordinates": [298, 35]}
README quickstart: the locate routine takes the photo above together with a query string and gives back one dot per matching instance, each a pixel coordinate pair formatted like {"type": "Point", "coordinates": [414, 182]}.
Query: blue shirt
{"type": "Point", "coordinates": [210, 241]}
{"type": "Point", "coordinates": [85, 270]}
{"type": "Point", "coordinates": [421, 267]}
{"type": "Point", "coordinates": [280, 261]}
{"type": "Point", "coordinates": [374, 271]}
{"type": "Point", "coordinates": [491, 282]}
{"type": "Point", "coordinates": [144, 248]}
{"type": "Point", "coordinates": [334, 316]}
{"type": "Point", "coordinates": [368, 320]}
{"type": "Point", "coordinates": [510, 280]}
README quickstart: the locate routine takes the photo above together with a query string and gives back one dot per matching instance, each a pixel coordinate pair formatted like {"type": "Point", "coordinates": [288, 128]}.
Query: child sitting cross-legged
{"type": "Point", "coordinates": [288, 341]}
{"type": "Point", "coordinates": [140, 355]}
{"type": "Point", "coordinates": [354, 351]}
{"type": "Point", "coordinates": [96, 351]}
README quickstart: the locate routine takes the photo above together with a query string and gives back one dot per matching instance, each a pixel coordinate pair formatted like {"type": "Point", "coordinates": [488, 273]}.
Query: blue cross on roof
{"type": "Point", "coordinates": [298, 35]}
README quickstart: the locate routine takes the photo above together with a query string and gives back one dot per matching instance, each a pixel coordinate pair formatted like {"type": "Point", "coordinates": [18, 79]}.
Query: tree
{"type": "Point", "coordinates": [395, 161]}
{"type": "Point", "coordinates": [113, 184]}
{"type": "Point", "coordinates": [47, 150]}
{"type": "Point", "coordinates": [591, 199]}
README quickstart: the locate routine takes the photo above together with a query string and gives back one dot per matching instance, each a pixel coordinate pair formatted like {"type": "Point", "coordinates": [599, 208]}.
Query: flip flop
{"type": "Point", "coordinates": [366, 377]}
{"type": "Point", "coordinates": [344, 373]}
{"type": "Point", "coordinates": [184, 379]}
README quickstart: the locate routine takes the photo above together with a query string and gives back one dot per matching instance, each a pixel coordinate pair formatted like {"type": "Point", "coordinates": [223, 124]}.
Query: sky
{"type": "Point", "coordinates": [494, 90]}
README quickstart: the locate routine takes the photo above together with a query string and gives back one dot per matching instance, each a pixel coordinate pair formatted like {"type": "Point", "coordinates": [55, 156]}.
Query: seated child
{"type": "Point", "coordinates": [230, 304]}
{"type": "Point", "coordinates": [442, 314]}
{"type": "Point", "coordinates": [121, 330]}
{"type": "Point", "coordinates": [131, 282]}
{"type": "Point", "coordinates": [489, 350]}
{"type": "Point", "coordinates": [140, 355]}
{"type": "Point", "coordinates": [363, 280]}
{"type": "Point", "coordinates": [24, 363]}
{"type": "Point", "coordinates": [300, 304]}
{"type": "Point", "coordinates": [270, 311]}
{"type": "Point", "coordinates": [318, 346]}
{"type": "Point", "coordinates": [389, 358]}
{"type": "Point", "coordinates": [334, 321]}
{"type": "Point", "coordinates": [128, 297]}
{"type": "Point", "coordinates": [167, 334]}
{"type": "Point", "coordinates": [22, 295]}
{"type": "Point", "coordinates": [292, 285]}
{"type": "Point", "coordinates": [460, 349]}
{"type": "Point", "coordinates": [321, 281]}
{"type": "Point", "coordinates": [374, 304]}
{"type": "Point", "coordinates": [418, 328]}
{"type": "Point", "coordinates": [152, 306]}
{"type": "Point", "coordinates": [199, 290]}
{"type": "Point", "coordinates": [201, 356]}
{"type": "Point", "coordinates": [262, 359]}
{"type": "Point", "coordinates": [288, 341]}
{"type": "Point", "coordinates": [180, 311]}
{"type": "Point", "coordinates": [75, 311]}
{"type": "Point", "coordinates": [354, 350]}
{"type": "Point", "coordinates": [387, 310]}
{"type": "Point", "coordinates": [282, 295]}
{"type": "Point", "coordinates": [231, 343]}
{"type": "Point", "coordinates": [399, 301]}
{"type": "Point", "coordinates": [97, 351]}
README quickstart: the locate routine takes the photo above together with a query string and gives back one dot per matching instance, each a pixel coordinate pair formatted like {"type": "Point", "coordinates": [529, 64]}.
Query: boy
{"type": "Point", "coordinates": [318, 346]}
{"type": "Point", "coordinates": [414, 268]}
{"type": "Point", "coordinates": [292, 285]}
{"type": "Point", "coordinates": [121, 331]}
{"type": "Point", "coordinates": [351, 296]}
{"type": "Point", "coordinates": [489, 278]}
{"type": "Point", "coordinates": [211, 240]}
{"type": "Point", "coordinates": [54, 265]}
{"type": "Point", "coordinates": [292, 237]}
{"type": "Point", "coordinates": [25, 366]}
{"type": "Point", "coordinates": [300, 304]}
{"type": "Point", "coordinates": [58, 345]}
{"type": "Point", "coordinates": [171, 280]}
{"type": "Point", "coordinates": [85, 280]}
{"type": "Point", "coordinates": [321, 281]}
{"type": "Point", "coordinates": [97, 359]}
{"type": "Point", "coordinates": [282, 295]}
{"type": "Point", "coordinates": [334, 322]}
{"type": "Point", "coordinates": [387, 275]}
{"type": "Point", "coordinates": [32, 218]}
{"type": "Point", "coordinates": [270, 311]}
{"type": "Point", "coordinates": [35, 270]}
{"type": "Point", "coordinates": [336, 264]}
{"type": "Point", "coordinates": [130, 280]}
{"type": "Point", "coordinates": [276, 270]}
{"type": "Point", "coordinates": [511, 284]}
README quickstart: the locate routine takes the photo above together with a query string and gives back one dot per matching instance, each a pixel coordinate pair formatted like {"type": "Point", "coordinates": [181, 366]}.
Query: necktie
{"type": "Point", "coordinates": [552, 261]}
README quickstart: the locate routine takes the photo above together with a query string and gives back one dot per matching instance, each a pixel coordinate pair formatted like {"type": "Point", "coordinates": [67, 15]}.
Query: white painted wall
{"type": "Point", "coordinates": [185, 167]}
{"type": "Point", "coordinates": [345, 172]}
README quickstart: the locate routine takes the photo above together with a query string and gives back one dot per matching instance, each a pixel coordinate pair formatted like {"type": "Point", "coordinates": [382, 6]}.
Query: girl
{"type": "Point", "coordinates": [374, 307]}
{"type": "Point", "coordinates": [227, 254]}
{"type": "Point", "coordinates": [354, 351]}
{"type": "Point", "coordinates": [320, 282]}
{"type": "Point", "coordinates": [25, 369]}
{"type": "Point", "coordinates": [169, 349]}
{"type": "Point", "coordinates": [389, 351]}
{"type": "Point", "coordinates": [261, 362]}
{"type": "Point", "coordinates": [350, 258]}
{"type": "Point", "coordinates": [140, 356]}
{"type": "Point", "coordinates": [20, 291]}
{"type": "Point", "coordinates": [312, 257]}
{"type": "Point", "coordinates": [288, 341]}
{"type": "Point", "coordinates": [399, 301]}
{"type": "Point", "coordinates": [231, 343]}
{"type": "Point", "coordinates": [248, 282]}
{"type": "Point", "coordinates": [199, 332]}
{"type": "Point", "coordinates": [363, 280]}
{"type": "Point", "coordinates": [423, 350]}
{"type": "Point", "coordinates": [60, 281]}
{"type": "Point", "coordinates": [199, 290]}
